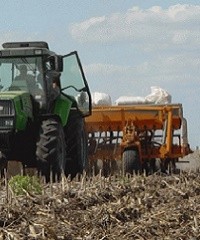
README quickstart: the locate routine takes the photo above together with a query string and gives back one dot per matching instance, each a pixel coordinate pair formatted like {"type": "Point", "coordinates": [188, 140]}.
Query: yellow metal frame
{"type": "Point", "coordinates": [134, 120]}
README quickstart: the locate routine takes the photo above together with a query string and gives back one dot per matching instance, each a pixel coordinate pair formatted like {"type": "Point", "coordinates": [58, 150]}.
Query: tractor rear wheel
{"type": "Point", "coordinates": [76, 141]}
{"type": "Point", "coordinates": [130, 161]}
{"type": "Point", "coordinates": [51, 149]}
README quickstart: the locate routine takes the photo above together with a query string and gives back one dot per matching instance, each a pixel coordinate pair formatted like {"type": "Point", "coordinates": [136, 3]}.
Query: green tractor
{"type": "Point", "coordinates": [44, 98]}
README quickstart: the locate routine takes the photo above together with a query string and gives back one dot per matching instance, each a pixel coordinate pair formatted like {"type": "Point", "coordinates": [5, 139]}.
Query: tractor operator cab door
{"type": "Point", "coordinates": [74, 84]}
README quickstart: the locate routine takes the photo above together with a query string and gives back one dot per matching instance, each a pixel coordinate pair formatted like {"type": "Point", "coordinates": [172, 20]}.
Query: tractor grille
{"type": "Point", "coordinates": [6, 108]}
{"type": "Point", "coordinates": [7, 113]}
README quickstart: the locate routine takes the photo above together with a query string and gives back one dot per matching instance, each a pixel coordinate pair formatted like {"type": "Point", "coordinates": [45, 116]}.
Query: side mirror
{"type": "Point", "coordinates": [58, 63]}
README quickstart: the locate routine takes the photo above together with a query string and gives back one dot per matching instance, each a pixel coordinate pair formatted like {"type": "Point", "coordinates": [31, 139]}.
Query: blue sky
{"type": "Point", "coordinates": [125, 46]}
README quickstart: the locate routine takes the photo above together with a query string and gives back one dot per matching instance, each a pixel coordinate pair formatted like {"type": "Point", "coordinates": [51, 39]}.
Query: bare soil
{"type": "Point", "coordinates": [158, 206]}
{"type": "Point", "coordinates": [117, 207]}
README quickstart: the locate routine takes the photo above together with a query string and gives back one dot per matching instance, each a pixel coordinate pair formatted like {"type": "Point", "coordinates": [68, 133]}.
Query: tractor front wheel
{"type": "Point", "coordinates": [51, 149]}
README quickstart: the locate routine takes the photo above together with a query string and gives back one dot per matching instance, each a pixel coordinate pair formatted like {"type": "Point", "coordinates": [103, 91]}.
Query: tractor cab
{"type": "Point", "coordinates": [33, 68]}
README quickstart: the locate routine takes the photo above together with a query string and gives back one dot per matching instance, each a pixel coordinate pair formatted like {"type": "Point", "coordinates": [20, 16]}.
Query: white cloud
{"type": "Point", "coordinates": [162, 69]}
{"type": "Point", "coordinates": [95, 21]}
{"type": "Point", "coordinates": [179, 24]}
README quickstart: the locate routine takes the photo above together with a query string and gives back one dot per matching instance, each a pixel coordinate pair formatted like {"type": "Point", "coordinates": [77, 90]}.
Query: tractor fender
{"type": "Point", "coordinates": [62, 108]}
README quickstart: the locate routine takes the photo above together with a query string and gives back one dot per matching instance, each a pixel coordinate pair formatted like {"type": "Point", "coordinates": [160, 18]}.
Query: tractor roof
{"type": "Point", "coordinates": [11, 49]}
{"type": "Point", "coordinates": [25, 45]}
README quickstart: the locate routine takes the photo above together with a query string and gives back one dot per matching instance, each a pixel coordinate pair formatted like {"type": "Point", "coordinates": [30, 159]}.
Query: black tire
{"type": "Point", "coordinates": [76, 141]}
{"type": "Point", "coordinates": [130, 161]}
{"type": "Point", "coordinates": [51, 149]}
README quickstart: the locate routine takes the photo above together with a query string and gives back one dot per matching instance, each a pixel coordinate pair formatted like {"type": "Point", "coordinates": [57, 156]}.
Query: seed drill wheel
{"type": "Point", "coordinates": [51, 149]}
{"type": "Point", "coordinates": [130, 161]}
{"type": "Point", "coordinates": [76, 141]}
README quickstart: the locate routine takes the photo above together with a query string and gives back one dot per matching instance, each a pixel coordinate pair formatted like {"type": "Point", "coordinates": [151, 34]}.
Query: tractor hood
{"type": "Point", "coordinates": [17, 105]}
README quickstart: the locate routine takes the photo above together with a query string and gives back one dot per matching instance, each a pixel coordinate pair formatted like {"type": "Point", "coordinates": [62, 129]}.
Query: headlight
{"type": "Point", "coordinates": [9, 122]}
{"type": "Point", "coordinates": [7, 114]}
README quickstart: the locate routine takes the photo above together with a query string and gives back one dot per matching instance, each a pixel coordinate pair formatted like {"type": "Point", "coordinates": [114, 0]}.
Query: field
{"type": "Point", "coordinates": [119, 207]}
